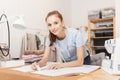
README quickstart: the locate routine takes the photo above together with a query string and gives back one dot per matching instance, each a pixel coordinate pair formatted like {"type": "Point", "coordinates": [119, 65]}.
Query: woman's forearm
{"type": "Point", "coordinates": [45, 58]}
{"type": "Point", "coordinates": [42, 62]}
{"type": "Point", "coordinates": [72, 63]}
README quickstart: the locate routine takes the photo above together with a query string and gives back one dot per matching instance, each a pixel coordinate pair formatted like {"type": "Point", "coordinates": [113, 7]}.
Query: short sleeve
{"type": "Point", "coordinates": [47, 42]}
{"type": "Point", "coordinates": [78, 39]}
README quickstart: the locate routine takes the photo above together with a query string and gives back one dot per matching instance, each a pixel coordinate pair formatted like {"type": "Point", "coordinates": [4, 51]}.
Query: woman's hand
{"type": "Point", "coordinates": [55, 66]}
{"type": "Point", "coordinates": [35, 66]}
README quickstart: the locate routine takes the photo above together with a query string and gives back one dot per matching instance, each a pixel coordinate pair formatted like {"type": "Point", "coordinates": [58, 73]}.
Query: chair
{"type": "Point", "coordinates": [97, 59]}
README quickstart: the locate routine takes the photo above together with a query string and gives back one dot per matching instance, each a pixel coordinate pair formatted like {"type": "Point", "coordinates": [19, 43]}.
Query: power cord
{"type": "Point", "coordinates": [3, 52]}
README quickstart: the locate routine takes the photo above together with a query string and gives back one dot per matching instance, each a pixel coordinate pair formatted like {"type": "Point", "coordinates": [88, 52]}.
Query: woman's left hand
{"type": "Point", "coordinates": [55, 66]}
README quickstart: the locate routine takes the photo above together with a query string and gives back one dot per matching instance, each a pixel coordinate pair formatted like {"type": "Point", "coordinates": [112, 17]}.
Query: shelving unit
{"type": "Point", "coordinates": [93, 29]}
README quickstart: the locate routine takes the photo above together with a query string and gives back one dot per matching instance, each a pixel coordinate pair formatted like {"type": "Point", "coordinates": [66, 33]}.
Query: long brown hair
{"type": "Point", "coordinates": [52, 36]}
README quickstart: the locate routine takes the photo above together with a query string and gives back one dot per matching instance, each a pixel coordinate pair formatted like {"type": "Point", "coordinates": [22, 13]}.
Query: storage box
{"type": "Point", "coordinates": [103, 34]}
{"type": "Point", "coordinates": [93, 15]}
{"type": "Point", "coordinates": [108, 12]}
{"type": "Point", "coordinates": [102, 50]}
{"type": "Point", "coordinates": [99, 42]}
{"type": "Point", "coordinates": [108, 33]}
{"type": "Point", "coordinates": [99, 34]}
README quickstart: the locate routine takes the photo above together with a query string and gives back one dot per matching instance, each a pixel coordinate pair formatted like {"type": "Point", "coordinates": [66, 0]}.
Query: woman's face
{"type": "Point", "coordinates": [55, 25]}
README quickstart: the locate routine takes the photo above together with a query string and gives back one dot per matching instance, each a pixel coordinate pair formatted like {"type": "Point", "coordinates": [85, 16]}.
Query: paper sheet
{"type": "Point", "coordinates": [29, 69]}
{"type": "Point", "coordinates": [24, 68]}
{"type": "Point", "coordinates": [63, 71]}
{"type": "Point", "coordinates": [58, 72]}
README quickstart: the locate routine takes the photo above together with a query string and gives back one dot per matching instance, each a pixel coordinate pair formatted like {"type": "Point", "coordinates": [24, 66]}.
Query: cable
{"type": "Point", "coordinates": [3, 52]}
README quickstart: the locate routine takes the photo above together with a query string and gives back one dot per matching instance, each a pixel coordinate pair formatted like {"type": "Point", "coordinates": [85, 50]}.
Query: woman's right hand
{"type": "Point", "coordinates": [35, 66]}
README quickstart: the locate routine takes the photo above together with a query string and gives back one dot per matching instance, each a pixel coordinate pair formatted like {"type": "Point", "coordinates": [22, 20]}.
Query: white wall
{"type": "Point", "coordinates": [117, 2]}
{"type": "Point", "coordinates": [80, 10]}
{"type": "Point", "coordinates": [34, 12]}
{"type": "Point", "coordinates": [74, 13]}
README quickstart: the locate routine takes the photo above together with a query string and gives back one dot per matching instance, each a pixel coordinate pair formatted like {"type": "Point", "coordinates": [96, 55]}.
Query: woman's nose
{"type": "Point", "coordinates": [53, 26]}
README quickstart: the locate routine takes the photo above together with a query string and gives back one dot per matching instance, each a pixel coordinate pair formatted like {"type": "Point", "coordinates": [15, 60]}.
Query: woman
{"type": "Point", "coordinates": [68, 43]}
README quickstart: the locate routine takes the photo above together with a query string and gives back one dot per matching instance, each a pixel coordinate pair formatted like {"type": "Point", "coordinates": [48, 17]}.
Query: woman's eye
{"type": "Point", "coordinates": [55, 22]}
{"type": "Point", "coordinates": [49, 24]}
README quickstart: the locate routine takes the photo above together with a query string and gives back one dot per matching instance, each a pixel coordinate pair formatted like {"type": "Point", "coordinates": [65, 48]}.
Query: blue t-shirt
{"type": "Point", "coordinates": [66, 48]}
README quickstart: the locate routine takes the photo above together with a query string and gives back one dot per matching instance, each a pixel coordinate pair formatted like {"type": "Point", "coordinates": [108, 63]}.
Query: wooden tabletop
{"type": "Point", "coordinates": [100, 75]}
{"type": "Point", "coordinates": [8, 74]}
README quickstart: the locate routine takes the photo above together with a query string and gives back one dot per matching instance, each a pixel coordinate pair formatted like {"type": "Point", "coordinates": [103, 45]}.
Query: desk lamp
{"type": "Point", "coordinates": [19, 23]}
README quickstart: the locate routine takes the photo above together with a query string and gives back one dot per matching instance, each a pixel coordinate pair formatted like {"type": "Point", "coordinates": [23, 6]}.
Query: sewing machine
{"type": "Point", "coordinates": [112, 65]}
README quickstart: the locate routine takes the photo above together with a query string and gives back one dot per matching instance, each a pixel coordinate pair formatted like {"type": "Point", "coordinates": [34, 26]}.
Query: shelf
{"type": "Point", "coordinates": [101, 29]}
{"type": "Point", "coordinates": [102, 37]}
{"type": "Point", "coordinates": [98, 46]}
{"type": "Point", "coordinates": [101, 20]}
{"type": "Point", "coordinates": [98, 35]}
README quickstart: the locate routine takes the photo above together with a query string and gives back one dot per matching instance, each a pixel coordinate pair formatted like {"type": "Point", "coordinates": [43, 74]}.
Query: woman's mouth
{"type": "Point", "coordinates": [54, 31]}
